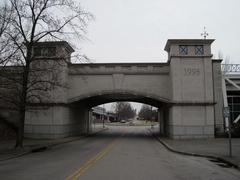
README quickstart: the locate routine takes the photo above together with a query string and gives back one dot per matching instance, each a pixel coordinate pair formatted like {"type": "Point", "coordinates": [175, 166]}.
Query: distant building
{"type": "Point", "coordinates": [100, 113]}
{"type": "Point", "coordinates": [232, 86]}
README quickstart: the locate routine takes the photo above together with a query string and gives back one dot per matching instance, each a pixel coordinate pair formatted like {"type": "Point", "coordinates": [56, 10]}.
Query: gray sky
{"type": "Point", "coordinates": [137, 30]}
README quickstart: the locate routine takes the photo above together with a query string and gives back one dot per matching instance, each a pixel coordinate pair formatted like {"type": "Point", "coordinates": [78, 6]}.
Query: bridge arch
{"type": "Point", "coordinates": [102, 97]}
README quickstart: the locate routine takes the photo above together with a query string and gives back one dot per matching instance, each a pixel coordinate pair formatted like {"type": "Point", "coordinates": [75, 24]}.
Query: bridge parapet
{"type": "Point", "coordinates": [124, 68]}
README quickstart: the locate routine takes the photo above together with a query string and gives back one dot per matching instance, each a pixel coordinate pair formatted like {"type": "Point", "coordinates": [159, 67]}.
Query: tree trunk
{"type": "Point", "coordinates": [23, 99]}
{"type": "Point", "coordinates": [20, 130]}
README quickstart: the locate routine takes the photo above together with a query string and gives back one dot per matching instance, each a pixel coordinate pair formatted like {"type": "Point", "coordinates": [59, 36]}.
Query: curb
{"type": "Point", "coordinates": [42, 148]}
{"type": "Point", "coordinates": [16, 156]}
{"type": "Point", "coordinates": [168, 147]}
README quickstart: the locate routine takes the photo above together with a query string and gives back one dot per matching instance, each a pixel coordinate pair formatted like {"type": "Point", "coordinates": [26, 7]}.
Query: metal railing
{"type": "Point", "coordinates": [230, 68]}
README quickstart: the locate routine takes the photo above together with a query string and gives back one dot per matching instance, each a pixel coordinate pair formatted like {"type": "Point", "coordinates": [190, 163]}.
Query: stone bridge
{"type": "Point", "coordinates": [186, 90]}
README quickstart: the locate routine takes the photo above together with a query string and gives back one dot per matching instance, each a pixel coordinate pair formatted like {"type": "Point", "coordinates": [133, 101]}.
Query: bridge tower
{"type": "Point", "coordinates": [49, 117]}
{"type": "Point", "coordinates": [192, 112]}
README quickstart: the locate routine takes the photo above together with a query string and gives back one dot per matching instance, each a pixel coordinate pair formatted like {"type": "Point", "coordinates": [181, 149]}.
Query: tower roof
{"type": "Point", "coordinates": [187, 42]}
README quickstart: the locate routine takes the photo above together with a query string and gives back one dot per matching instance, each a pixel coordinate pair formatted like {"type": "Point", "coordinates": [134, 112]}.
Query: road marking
{"type": "Point", "coordinates": [91, 162]}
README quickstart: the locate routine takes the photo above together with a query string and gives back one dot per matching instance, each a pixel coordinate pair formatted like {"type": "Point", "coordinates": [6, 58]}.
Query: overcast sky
{"type": "Point", "coordinates": [137, 30]}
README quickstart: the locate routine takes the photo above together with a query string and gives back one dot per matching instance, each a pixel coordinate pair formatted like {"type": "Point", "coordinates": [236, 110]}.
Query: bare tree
{"type": "Point", "coordinates": [6, 52]}
{"type": "Point", "coordinates": [147, 113]}
{"type": "Point", "coordinates": [32, 21]}
{"type": "Point", "coordinates": [124, 110]}
{"type": "Point", "coordinates": [226, 59]}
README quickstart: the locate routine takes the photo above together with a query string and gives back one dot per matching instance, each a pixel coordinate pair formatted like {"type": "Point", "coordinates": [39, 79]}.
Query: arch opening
{"type": "Point", "coordinates": [81, 109]}
{"type": "Point", "coordinates": [102, 98]}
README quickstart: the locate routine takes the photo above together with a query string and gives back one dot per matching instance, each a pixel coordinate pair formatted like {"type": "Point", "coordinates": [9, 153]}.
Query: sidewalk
{"type": "Point", "coordinates": [217, 147]}
{"type": "Point", "coordinates": [7, 150]}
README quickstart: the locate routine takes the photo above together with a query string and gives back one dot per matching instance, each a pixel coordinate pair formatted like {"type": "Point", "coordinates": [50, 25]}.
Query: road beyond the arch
{"type": "Point", "coordinates": [116, 154]}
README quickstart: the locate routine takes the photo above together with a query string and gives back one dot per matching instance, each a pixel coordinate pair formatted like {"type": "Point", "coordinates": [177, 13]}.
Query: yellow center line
{"type": "Point", "coordinates": [91, 162]}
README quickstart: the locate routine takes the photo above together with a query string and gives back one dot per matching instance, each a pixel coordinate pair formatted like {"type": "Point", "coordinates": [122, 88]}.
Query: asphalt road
{"type": "Point", "coordinates": [120, 153]}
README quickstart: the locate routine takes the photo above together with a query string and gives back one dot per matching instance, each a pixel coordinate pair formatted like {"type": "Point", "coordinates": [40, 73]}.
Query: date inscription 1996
{"type": "Point", "coordinates": [191, 72]}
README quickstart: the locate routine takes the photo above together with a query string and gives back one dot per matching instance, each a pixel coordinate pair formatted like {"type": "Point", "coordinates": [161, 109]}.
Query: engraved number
{"type": "Point", "coordinates": [191, 72]}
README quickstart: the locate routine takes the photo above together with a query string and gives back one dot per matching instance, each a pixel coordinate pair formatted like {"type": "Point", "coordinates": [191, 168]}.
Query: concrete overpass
{"type": "Point", "coordinates": [186, 89]}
